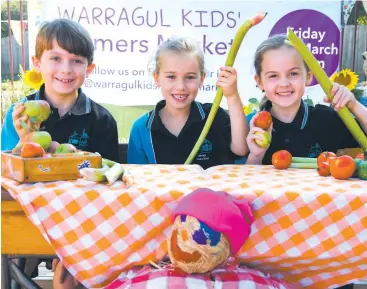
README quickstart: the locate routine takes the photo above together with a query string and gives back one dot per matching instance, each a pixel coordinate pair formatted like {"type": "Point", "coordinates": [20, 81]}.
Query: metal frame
{"type": "Point", "coordinates": [13, 276]}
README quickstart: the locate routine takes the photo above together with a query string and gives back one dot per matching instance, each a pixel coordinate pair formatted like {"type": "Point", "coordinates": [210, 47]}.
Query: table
{"type": "Point", "coordinates": [309, 230]}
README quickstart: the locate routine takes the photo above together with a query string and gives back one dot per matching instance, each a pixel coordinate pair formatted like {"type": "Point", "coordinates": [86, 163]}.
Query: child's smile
{"type": "Point", "coordinates": [179, 78]}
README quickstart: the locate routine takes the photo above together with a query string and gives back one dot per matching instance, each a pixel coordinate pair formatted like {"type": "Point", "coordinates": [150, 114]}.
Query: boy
{"type": "Point", "coordinates": [64, 56]}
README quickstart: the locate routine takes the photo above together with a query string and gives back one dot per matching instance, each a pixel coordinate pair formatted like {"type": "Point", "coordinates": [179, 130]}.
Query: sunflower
{"type": "Point", "coordinates": [345, 77]}
{"type": "Point", "coordinates": [33, 79]}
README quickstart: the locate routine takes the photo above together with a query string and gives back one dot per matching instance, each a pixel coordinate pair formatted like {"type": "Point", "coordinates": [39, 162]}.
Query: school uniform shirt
{"type": "Point", "coordinates": [88, 126]}
{"type": "Point", "coordinates": [151, 143]}
{"type": "Point", "coordinates": [313, 130]}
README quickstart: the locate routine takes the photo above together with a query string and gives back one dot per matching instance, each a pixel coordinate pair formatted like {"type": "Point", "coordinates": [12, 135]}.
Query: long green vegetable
{"type": "Point", "coordinates": [326, 85]}
{"type": "Point", "coordinates": [229, 62]}
{"type": "Point", "coordinates": [304, 160]}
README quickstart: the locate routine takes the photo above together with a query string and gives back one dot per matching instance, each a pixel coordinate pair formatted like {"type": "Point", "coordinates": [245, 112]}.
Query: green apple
{"type": "Point", "coordinates": [41, 137]}
{"type": "Point", "coordinates": [37, 110]}
{"type": "Point", "coordinates": [65, 148]}
{"type": "Point", "coordinates": [266, 139]}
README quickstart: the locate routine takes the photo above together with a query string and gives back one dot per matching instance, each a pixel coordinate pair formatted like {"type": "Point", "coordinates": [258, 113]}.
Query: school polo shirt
{"type": "Point", "coordinates": [151, 142]}
{"type": "Point", "coordinates": [88, 126]}
{"type": "Point", "coordinates": [313, 130]}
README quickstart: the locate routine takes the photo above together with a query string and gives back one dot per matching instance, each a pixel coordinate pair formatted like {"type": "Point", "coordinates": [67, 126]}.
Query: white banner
{"type": "Point", "coordinates": [126, 35]}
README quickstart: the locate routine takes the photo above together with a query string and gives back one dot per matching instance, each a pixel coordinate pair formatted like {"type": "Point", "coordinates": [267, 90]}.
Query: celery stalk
{"type": "Point", "coordinates": [326, 85]}
{"type": "Point", "coordinates": [229, 62]}
{"type": "Point", "coordinates": [303, 160]}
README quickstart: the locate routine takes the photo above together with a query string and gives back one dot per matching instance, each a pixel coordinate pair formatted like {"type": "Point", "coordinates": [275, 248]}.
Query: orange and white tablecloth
{"type": "Point", "coordinates": [309, 230]}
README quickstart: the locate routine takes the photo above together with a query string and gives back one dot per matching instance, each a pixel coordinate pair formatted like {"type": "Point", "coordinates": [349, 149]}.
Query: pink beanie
{"type": "Point", "coordinates": [221, 212]}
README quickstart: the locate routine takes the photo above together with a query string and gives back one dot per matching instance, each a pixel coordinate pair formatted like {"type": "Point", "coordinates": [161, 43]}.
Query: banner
{"type": "Point", "coordinates": [126, 35]}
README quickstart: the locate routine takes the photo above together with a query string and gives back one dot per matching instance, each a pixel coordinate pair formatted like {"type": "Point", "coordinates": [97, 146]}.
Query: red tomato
{"type": "Point", "coordinates": [263, 120]}
{"type": "Point", "coordinates": [323, 169]}
{"type": "Point", "coordinates": [343, 167]}
{"type": "Point", "coordinates": [324, 157]}
{"type": "Point", "coordinates": [281, 159]}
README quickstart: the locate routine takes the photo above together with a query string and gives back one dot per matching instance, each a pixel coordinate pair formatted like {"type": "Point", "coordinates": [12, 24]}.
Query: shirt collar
{"type": "Point", "coordinates": [299, 121]}
{"type": "Point", "coordinates": [82, 105]}
{"type": "Point", "coordinates": [154, 122]}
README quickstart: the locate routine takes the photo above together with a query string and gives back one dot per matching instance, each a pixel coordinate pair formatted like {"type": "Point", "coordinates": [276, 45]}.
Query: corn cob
{"type": "Point", "coordinates": [326, 85]}
{"type": "Point", "coordinates": [229, 62]}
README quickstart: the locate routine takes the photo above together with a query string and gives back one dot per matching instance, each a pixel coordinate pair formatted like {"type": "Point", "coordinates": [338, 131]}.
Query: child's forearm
{"type": "Point", "coordinates": [360, 112]}
{"type": "Point", "coordinates": [239, 127]}
{"type": "Point", "coordinates": [255, 159]}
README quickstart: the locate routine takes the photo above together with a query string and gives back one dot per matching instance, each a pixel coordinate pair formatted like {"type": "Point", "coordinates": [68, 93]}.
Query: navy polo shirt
{"type": "Point", "coordinates": [313, 130]}
{"type": "Point", "coordinates": [171, 149]}
{"type": "Point", "coordinates": [88, 126]}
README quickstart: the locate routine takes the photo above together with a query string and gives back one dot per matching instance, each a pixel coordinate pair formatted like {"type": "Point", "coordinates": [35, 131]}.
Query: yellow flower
{"type": "Point", "coordinates": [345, 77]}
{"type": "Point", "coordinates": [33, 79]}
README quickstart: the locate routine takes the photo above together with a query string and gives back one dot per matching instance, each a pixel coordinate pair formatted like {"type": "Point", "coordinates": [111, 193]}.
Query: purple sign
{"type": "Point", "coordinates": [318, 32]}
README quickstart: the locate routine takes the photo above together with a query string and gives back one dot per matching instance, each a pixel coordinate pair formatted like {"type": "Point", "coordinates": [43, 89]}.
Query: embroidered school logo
{"type": "Point", "coordinates": [206, 147]}
{"type": "Point", "coordinates": [81, 141]}
{"type": "Point", "coordinates": [205, 150]}
{"type": "Point", "coordinates": [314, 151]}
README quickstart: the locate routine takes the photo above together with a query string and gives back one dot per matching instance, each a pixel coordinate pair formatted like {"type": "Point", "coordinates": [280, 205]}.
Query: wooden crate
{"type": "Point", "coordinates": [58, 167]}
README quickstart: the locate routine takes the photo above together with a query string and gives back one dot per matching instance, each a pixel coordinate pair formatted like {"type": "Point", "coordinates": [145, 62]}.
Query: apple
{"type": "Point", "coordinates": [281, 159]}
{"type": "Point", "coordinates": [65, 148]}
{"type": "Point", "coordinates": [53, 146]}
{"type": "Point", "coordinates": [323, 169]}
{"type": "Point", "coordinates": [37, 110]}
{"type": "Point", "coordinates": [266, 139]}
{"type": "Point", "coordinates": [325, 157]}
{"type": "Point", "coordinates": [41, 137]}
{"type": "Point", "coordinates": [263, 120]}
{"type": "Point", "coordinates": [32, 150]}
{"type": "Point", "coordinates": [343, 167]}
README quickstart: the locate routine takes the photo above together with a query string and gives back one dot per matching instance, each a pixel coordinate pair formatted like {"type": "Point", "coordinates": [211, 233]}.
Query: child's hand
{"type": "Point", "coordinates": [227, 79]}
{"type": "Point", "coordinates": [19, 120]}
{"type": "Point", "coordinates": [342, 97]}
{"type": "Point", "coordinates": [254, 148]}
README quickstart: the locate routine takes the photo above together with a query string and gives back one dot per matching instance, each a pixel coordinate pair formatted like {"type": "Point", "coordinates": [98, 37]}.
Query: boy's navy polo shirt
{"type": "Point", "coordinates": [88, 126]}
{"type": "Point", "coordinates": [313, 130]}
{"type": "Point", "coordinates": [170, 149]}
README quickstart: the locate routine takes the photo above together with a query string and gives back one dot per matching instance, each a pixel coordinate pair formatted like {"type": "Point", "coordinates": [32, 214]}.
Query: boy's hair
{"type": "Point", "coordinates": [180, 45]}
{"type": "Point", "coordinates": [274, 42]}
{"type": "Point", "coordinates": [69, 35]}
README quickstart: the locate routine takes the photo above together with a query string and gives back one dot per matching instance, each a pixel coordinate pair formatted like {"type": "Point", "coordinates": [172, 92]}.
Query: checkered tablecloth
{"type": "Point", "coordinates": [229, 277]}
{"type": "Point", "coordinates": [310, 231]}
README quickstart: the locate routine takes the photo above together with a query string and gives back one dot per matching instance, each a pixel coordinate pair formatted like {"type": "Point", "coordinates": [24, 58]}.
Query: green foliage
{"type": "Point", "coordinates": [362, 20]}
{"type": "Point", "coordinates": [14, 13]}
{"type": "Point", "coordinates": [358, 12]}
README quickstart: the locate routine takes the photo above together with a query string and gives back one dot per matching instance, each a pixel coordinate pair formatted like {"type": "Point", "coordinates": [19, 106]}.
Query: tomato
{"type": "Point", "coordinates": [323, 169]}
{"type": "Point", "coordinates": [324, 157]}
{"type": "Point", "coordinates": [281, 159]}
{"type": "Point", "coordinates": [343, 167]}
{"type": "Point", "coordinates": [263, 120]}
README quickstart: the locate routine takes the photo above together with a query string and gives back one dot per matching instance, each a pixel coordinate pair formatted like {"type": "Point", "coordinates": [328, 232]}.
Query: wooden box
{"type": "Point", "coordinates": [57, 167]}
